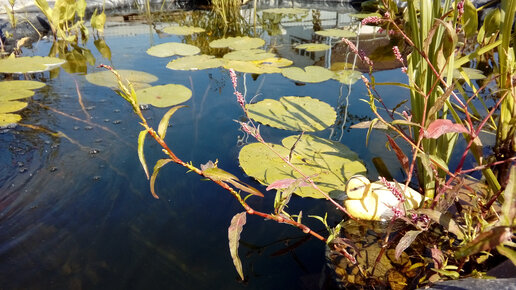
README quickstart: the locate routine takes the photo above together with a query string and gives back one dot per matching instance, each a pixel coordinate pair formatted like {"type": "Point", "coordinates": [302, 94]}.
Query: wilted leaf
{"type": "Point", "coordinates": [310, 74]}
{"type": "Point", "coordinates": [293, 113]}
{"type": "Point", "coordinates": [163, 124]}
{"type": "Point", "coordinates": [443, 126]}
{"type": "Point", "coordinates": [141, 156]}
{"type": "Point", "coordinates": [195, 62]}
{"type": "Point", "coordinates": [313, 46]}
{"type": "Point", "coordinates": [159, 164]}
{"type": "Point", "coordinates": [331, 163]}
{"type": "Point", "coordinates": [336, 33]}
{"type": "Point", "coordinates": [182, 30]}
{"type": "Point", "coordinates": [485, 242]}
{"type": "Point", "coordinates": [164, 96]}
{"type": "Point", "coordinates": [238, 43]}
{"type": "Point", "coordinates": [402, 158]}
{"type": "Point", "coordinates": [405, 242]}
{"type": "Point", "coordinates": [173, 48]}
{"type": "Point", "coordinates": [8, 119]}
{"type": "Point", "coordinates": [445, 220]}
{"type": "Point", "coordinates": [248, 55]}
{"type": "Point", "coordinates": [234, 230]}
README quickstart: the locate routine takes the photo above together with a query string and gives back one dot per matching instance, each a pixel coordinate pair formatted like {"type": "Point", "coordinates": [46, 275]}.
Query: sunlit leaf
{"type": "Point", "coordinates": [445, 220]}
{"type": "Point", "coordinates": [11, 106]}
{"type": "Point", "coordinates": [471, 73]}
{"type": "Point", "coordinates": [508, 252]}
{"type": "Point", "coordinates": [234, 230]}
{"type": "Point", "coordinates": [164, 96]}
{"type": "Point", "coordinates": [141, 155]}
{"type": "Point", "coordinates": [313, 46]}
{"type": "Point", "coordinates": [248, 55]}
{"type": "Point", "coordinates": [443, 126]}
{"type": "Point", "coordinates": [29, 64]}
{"type": "Point", "coordinates": [347, 77]}
{"type": "Point", "coordinates": [285, 183]}
{"type": "Point", "coordinates": [8, 119]}
{"type": "Point", "coordinates": [286, 11]}
{"type": "Point", "coordinates": [274, 62]}
{"type": "Point", "coordinates": [485, 241]}
{"type": "Point", "coordinates": [293, 113]}
{"type": "Point", "coordinates": [103, 48]}
{"type": "Point", "coordinates": [405, 242]}
{"type": "Point", "coordinates": [163, 124]}
{"type": "Point", "coordinates": [310, 74]}
{"type": "Point", "coordinates": [218, 174]}
{"type": "Point", "coordinates": [108, 79]}
{"type": "Point", "coordinates": [251, 67]}
{"type": "Point", "coordinates": [469, 19]}
{"type": "Point", "coordinates": [195, 62]}
{"type": "Point", "coordinates": [365, 15]}
{"type": "Point", "coordinates": [331, 163]}
{"type": "Point", "coordinates": [509, 203]}
{"type": "Point", "coordinates": [15, 90]}
{"type": "Point", "coordinates": [98, 21]}
{"type": "Point", "coordinates": [182, 30]}
{"type": "Point", "coordinates": [336, 33]}
{"type": "Point", "coordinates": [173, 48]}
{"type": "Point", "coordinates": [159, 164]}
{"type": "Point", "coordinates": [238, 43]}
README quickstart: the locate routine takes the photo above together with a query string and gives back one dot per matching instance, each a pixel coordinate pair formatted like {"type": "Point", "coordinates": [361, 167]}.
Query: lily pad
{"type": "Point", "coordinates": [329, 163]}
{"type": "Point", "coordinates": [8, 119]}
{"type": "Point", "coordinates": [15, 90]}
{"type": "Point", "coordinates": [248, 55]}
{"type": "Point", "coordinates": [173, 48]}
{"type": "Point", "coordinates": [105, 78]}
{"type": "Point", "coordinates": [313, 46]}
{"type": "Point", "coordinates": [11, 106]}
{"type": "Point", "coordinates": [285, 11]}
{"type": "Point", "coordinates": [274, 62]}
{"type": "Point", "coordinates": [182, 30]}
{"type": "Point", "coordinates": [365, 15]}
{"type": "Point", "coordinates": [336, 33]}
{"type": "Point", "coordinates": [250, 67]}
{"type": "Point", "coordinates": [164, 96]}
{"type": "Point", "coordinates": [238, 43]}
{"type": "Point", "coordinates": [348, 76]}
{"type": "Point", "coordinates": [195, 62]}
{"type": "Point", "coordinates": [293, 113]}
{"type": "Point", "coordinates": [310, 74]}
{"type": "Point", "coordinates": [29, 64]}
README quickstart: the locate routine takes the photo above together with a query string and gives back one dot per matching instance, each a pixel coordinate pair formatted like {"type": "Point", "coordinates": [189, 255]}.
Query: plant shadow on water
{"type": "Point", "coordinates": [75, 206]}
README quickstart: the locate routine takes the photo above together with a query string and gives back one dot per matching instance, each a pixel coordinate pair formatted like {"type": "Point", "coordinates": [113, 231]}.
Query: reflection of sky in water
{"type": "Point", "coordinates": [71, 217]}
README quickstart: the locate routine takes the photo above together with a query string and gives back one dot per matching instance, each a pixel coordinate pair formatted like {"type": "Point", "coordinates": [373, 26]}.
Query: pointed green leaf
{"type": "Point", "coordinates": [234, 230]}
{"type": "Point", "coordinates": [238, 43]}
{"type": "Point", "coordinates": [310, 74]}
{"type": "Point", "coordinates": [163, 124]}
{"type": "Point", "coordinates": [159, 164]}
{"type": "Point", "coordinates": [485, 241]}
{"type": "Point", "coordinates": [509, 203]}
{"type": "Point", "coordinates": [103, 48]}
{"type": "Point", "coordinates": [469, 19]}
{"type": "Point", "coordinates": [183, 30]}
{"type": "Point", "coordinates": [195, 62]}
{"type": "Point", "coordinates": [141, 156]}
{"type": "Point", "coordinates": [8, 119]}
{"type": "Point", "coordinates": [164, 96]}
{"type": "Point", "coordinates": [508, 252]}
{"type": "Point", "coordinates": [218, 174]}
{"type": "Point", "coordinates": [173, 48]}
{"type": "Point", "coordinates": [293, 113]}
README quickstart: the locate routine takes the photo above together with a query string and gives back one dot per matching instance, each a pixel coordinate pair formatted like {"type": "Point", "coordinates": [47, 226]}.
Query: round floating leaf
{"type": "Point", "coordinates": [329, 163]}
{"type": "Point", "coordinates": [348, 76]}
{"type": "Point", "coordinates": [250, 67]}
{"type": "Point", "coordinates": [164, 96]}
{"type": "Point", "coordinates": [313, 46]}
{"type": "Point", "coordinates": [11, 106]}
{"type": "Point", "coordinates": [173, 48]}
{"type": "Point", "coordinates": [293, 113]}
{"type": "Point", "coordinates": [238, 43]}
{"type": "Point", "coordinates": [365, 15]}
{"type": "Point", "coordinates": [336, 33]}
{"type": "Point", "coordinates": [285, 11]}
{"type": "Point", "coordinates": [311, 74]}
{"type": "Point", "coordinates": [274, 62]}
{"type": "Point", "coordinates": [10, 95]}
{"type": "Point", "coordinates": [195, 62]}
{"type": "Point", "coordinates": [105, 78]}
{"type": "Point", "coordinates": [182, 30]}
{"type": "Point", "coordinates": [29, 64]}
{"type": "Point", "coordinates": [15, 90]}
{"type": "Point", "coordinates": [337, 66]}
{"type": "Point", "coordinates": [248, 55]}
{"type": "Point", "coordinates": [8, 119]}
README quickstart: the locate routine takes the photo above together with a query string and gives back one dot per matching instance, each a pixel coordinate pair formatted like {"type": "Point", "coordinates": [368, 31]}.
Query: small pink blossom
{"type": "Point", "coordinates": [397, 53]}
{"type": "Point", "coordinates": [233, 77]}
{"type": "Point", "coordinates": [397, 213]}
{"type": "Point", "coordinates": [394, 189]}
{"type": "Point", "coordinates": [387, 14]}
{"type": "Point", "coordinates": [371, 20]}
{"type": "Point", "coordinates": [404, 69]}
{"type": "Point", "coordinates": [351, 45]}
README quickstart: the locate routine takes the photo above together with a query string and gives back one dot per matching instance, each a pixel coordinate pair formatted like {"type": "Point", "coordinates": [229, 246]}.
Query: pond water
{"type": "Point", "coordinates": [76, 211]}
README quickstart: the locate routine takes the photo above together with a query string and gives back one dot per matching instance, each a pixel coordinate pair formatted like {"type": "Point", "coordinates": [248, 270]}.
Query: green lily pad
{"type": "Point", "coordinates": [285, 11]}
{"type": "Point", "coordinates": [248, 55]}
{"type": "Point", "coordinates": [11, 106]}
{"type": "Point", "coordinates": [293, 113]}
{"type": "Point", "coordinates": [336, 33]}
{"type": "Point", "coordinates": [310, 74]}
{"type": "Point", "coordinates": [164, 96]}
{"type": "Point", "coordinates": [274, 62]}
{"type": "Point", "coordinates": [365, 15]}
{"type": "Point", "coordinates": [8, 119]}
{"type": "Point", "coordinates": [195, 62]}
{"type": "Point", "coordinates": [15, 90]}
{"type": "Point", "coordinates": [347, 76]}
{"type": "Point", "coordinates": [329, 163]}
{"type": "Point", "coordinates": [182, 30]}
{"type": "Point", "coordinates": [250, 67]}
{"type": "Point", "coordinates": [173, 48]}
{"type": "Point", "coordinates": [313, 46]}
{"type": "Point", "coordinates": [238, 43]}
{"type": "Point", "coordinates": [29, 64]}
{"type": "Point", "coordinates": [105, 78]}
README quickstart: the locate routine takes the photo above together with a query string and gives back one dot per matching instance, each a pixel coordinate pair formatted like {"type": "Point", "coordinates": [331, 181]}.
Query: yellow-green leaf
{"type": "Point", "coordinates": [8, 119]}
{"type": "Point", "coordinates": [159, 164]}
{"type": "Point", "coordinates": [141, 155]}
{"type": "Point", "coordinates": [234, 230]}
{"type": "Point", "coordinates": [163, 124]}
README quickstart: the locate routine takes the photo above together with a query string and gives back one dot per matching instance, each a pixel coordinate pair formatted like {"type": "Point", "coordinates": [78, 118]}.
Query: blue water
{"type": "Point", "coordinates": [77, 213]}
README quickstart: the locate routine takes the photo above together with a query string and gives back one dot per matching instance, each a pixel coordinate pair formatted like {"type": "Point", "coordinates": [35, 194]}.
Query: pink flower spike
{"type": "Point", "coordinates": [233, 75]}
{"type": "Point", "coordinates": [371, 20]}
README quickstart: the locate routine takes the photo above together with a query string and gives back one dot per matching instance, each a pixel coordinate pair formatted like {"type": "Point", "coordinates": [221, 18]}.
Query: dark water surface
{"type": "Point", "coordinates": [76, 211]}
